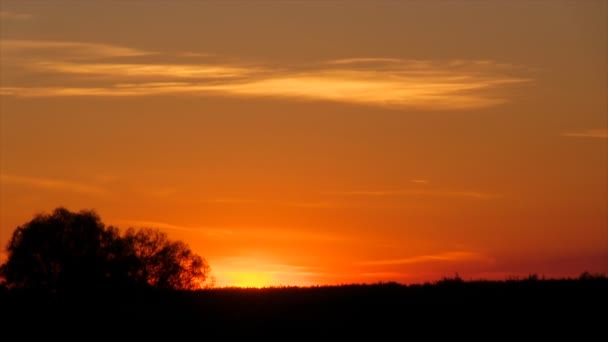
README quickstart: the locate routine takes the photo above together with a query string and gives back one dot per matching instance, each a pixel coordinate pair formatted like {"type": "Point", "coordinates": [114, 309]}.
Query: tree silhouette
{"type": "Point", "coordinates": [75, 251]}
{"type": "Point", "coordinates": [163, 263]}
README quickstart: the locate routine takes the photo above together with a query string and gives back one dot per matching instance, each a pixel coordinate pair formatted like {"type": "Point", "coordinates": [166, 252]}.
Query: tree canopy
{"type": "Point", "coordinates": [75, 250]}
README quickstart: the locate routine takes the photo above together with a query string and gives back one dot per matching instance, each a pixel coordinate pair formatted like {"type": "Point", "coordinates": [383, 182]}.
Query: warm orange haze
{"type": "Point", "coordinates": [321, 142]}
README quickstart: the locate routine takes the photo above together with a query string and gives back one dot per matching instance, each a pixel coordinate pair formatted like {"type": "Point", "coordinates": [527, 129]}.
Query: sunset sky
{"type": "Point", "coordinates": [317, 142]}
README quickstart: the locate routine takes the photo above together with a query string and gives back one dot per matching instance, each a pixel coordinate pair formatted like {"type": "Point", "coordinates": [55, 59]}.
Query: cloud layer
{"type": "Point", "coordinates": [455, 256]}
{"type": "Point", "coordinates": [53, 184]}
{"type": "Point", "coordinates": [420, 192]}
{"type": "Point", "coordinates": [62, 50]}
{"type": "Point", "coordinates": [601, 133]}
{"type": "Point", "coordinates": [91, 70]}
{"type": "Point", "coordinates": [10, 15]}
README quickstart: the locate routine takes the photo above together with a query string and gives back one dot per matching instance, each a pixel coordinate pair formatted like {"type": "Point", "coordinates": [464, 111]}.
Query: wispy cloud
{"type": "Point", "coordinates": [303, 204]}
{"type": "Point", "coordinates": [195, 54]}
{"type": "Point", "coordinates": [159, 192]}
{"type": "Point", "coordinates": [420, 181]}
{"type": "Point", "coordinates": [154, 71]}
{"type": "Point", "coordinates": [10, 15]}
{"type": "Point", "coordinates": [421, 192]}
{"type": "Point", "coordinates": [601, 133]}
{"type": "Point", "coordinates": [118, 90]}
{"type": "Point", "coordinates": [66, 49]}
{"type": "Point", "coordinates": [234, 200]}
{"type": "Point", "coordinates": [250, 233]}
{"type": "Point", "coordinates": [53, 184]}
{"type": "Point", "coordinates": [209, 231]}
{"type": "Point", "coordinates": [387, 82]}
{"type": "Point", "coordinates": [365, 60]}
{"type": "Point", "coordinates": [385, 274]}
{"type": "Point", "coordinates": [355, 198]}
{"type": "Point", "coordinates": [155, 224]}
{"type": "Point", "coordinates": [455, 256]}
{"type": "Point", "coordinates": [378, 88]}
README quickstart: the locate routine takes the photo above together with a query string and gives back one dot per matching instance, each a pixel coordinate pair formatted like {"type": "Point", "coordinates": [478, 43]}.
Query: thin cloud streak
{"type": "Point", "coordinates": [210, 231]}
{"type": "Point", "coordinates": [365, 60]}
{"type": "Point", "coordinates": [439, 193]}
{"type": "Point", "coordinates": [373, 88]}
{"type": "Point", "coordinates": [455, 256]}
{"type": "Point", "coordinates": [53, 184]}
{"type": "Point", "coordinates": [145, 70]}
{"type": "Point", "coordinates": [155, 224]}
{"type": "Point", "coordinates": [10, 15]}
{"type": "Point", "coordinates": [393, 275]}
{"type": "Point", "coordinates": [117, 90]}
{"type": "Point", "coordinates": [68, 48]}
{"type": "Point", "coordinates": [342, 203]}
{"type": "Point", "coordinates": [243, 232]}
{"type": "Point", "coordinates": [302, 204]}
{"type": "Point", "coordinates": [601, 133]}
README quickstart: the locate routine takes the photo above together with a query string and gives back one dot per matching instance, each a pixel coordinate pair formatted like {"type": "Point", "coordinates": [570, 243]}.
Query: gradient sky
{"type": "Point", "coordinates": [317, 142]}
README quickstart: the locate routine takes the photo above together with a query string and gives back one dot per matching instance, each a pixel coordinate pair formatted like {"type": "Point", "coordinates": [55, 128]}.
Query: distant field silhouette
{"type": "Point", "coordinates": [545, 306]}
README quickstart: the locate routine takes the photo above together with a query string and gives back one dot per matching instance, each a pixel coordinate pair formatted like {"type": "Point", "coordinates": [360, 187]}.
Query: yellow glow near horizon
{"type": "Point", "coordinates": [246, 279]}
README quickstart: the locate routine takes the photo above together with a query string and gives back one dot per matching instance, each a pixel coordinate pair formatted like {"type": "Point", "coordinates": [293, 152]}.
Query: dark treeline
{"type": "Point", "coordinates": [514, 306]}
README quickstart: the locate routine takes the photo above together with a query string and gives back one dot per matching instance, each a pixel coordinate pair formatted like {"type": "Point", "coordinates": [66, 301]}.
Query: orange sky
{"type": "Point", "coordinates": [297, 143]}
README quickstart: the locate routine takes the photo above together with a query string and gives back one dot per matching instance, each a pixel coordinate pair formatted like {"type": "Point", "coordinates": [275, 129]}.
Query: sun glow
{"type": "Point", "coordinates": [260, 271]}
{"type": "Point", "coordinates": [248, 279]}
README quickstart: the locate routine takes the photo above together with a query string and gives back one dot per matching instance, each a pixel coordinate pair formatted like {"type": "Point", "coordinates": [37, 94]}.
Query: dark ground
{"type": "Point", "coordinates": [574, 307]}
